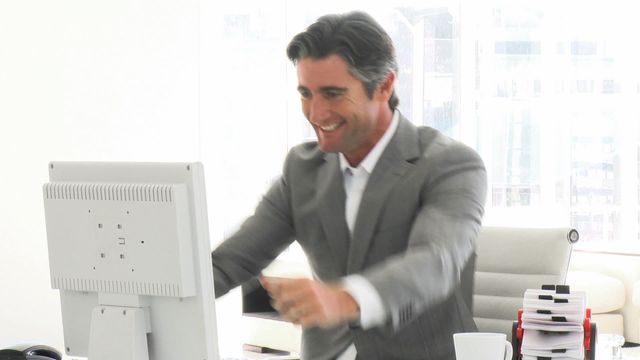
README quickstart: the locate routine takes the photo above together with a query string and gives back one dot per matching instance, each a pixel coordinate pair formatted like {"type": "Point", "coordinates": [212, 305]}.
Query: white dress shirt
{"type": "Point", "coordinates": [355, 181]}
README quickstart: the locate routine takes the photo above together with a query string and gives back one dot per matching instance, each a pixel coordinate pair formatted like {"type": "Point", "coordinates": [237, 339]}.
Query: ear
{"type": "Point", "coordinates": [385, 89]}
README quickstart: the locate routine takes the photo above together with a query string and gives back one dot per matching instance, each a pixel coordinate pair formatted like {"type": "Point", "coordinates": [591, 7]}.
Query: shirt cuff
{"type": "Point", "coordinates": [371, 309]}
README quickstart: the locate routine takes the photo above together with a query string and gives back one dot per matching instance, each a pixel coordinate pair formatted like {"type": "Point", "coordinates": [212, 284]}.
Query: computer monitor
{"type": "Point", "coordinates": [129, 251]}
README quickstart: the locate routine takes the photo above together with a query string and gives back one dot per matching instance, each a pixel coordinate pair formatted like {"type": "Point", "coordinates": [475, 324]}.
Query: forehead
{"type": "Point", "coordinates": [329, 71]}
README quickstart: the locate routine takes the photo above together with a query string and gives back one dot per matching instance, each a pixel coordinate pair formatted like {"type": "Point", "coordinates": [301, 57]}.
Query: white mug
{"type": "Point", "coordinates": [482, 346]}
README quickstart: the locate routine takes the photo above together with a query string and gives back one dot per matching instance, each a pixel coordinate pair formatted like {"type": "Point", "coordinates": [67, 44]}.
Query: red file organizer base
{"type": "Point", "coordinates": [590, 336]}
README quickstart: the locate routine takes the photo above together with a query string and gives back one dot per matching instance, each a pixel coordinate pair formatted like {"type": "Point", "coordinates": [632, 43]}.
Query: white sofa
{"type": "Point", "coordinates": [609, 280]}
{"type": "Point", "coordinates": [605, 297]}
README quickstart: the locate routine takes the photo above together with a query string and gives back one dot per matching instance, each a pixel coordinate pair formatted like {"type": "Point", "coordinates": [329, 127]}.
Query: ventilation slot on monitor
{"type": "Point", "coordinates": [115, 192]}
{"type": "Point", "coordinates": [116, 287]}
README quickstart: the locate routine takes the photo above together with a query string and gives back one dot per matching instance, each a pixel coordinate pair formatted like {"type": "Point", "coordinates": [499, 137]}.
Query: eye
{"type": "Point", "coordinates": [304, 93]}
{"type": "Point", "coordinates": [333, 93]}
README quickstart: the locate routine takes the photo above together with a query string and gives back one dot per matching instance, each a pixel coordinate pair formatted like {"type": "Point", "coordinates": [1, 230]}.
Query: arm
{"type": "Point", "coordinates": [454, 215]}
{"type": "Point", "coordinates": [441, 239]}
{"type": "Point", "coordinates": [259, 240]}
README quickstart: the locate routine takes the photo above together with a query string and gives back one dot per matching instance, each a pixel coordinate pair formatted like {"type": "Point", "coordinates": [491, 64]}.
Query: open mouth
{"type": "Point", "coordinates": [331, 127]}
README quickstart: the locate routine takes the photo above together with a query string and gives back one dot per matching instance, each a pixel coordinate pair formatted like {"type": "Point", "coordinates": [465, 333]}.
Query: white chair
{"type": "Point", "coordinates": [511, 260]}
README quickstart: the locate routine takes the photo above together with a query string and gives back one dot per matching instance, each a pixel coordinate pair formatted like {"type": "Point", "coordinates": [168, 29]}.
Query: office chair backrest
{"type": "Point", "coordinates": [511, 260]}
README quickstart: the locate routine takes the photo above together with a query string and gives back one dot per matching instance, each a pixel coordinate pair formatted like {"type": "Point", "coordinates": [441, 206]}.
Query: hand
{"type": "Point", "coordinates": [311, 303]}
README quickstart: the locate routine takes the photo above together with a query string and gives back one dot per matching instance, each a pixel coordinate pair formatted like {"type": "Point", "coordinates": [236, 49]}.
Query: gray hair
{"type": "Point", "coordinates": [358, 39]}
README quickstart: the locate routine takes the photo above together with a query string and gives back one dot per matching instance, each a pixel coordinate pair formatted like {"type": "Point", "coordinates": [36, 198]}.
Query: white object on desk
{"type": "Point", "coordinates": [482, 346]}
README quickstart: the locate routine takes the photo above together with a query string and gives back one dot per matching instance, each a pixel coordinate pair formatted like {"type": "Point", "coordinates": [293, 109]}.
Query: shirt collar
{"type": "Point", "coordinates": [370, 161]}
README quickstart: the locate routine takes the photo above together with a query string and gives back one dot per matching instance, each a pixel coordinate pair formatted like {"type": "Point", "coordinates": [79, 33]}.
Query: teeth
{"type": "Point", "coordinates": [330, 127]}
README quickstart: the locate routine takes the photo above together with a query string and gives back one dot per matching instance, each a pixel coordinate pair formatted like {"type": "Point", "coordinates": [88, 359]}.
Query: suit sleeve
{"type": "Point", "coordinates": [442, 236]}
{"type": "Point", "coordinates": [260, 239]}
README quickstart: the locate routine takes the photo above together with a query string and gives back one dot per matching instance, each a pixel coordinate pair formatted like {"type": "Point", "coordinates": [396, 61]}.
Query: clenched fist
{"type": "Point", "coordinates": [311, 303]}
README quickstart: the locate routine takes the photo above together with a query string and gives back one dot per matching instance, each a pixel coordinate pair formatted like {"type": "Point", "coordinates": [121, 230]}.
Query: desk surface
{"type": "Point", "coordinates": [630, 353]}
{"type": "Point", "coordinates": [627, 353]}
{"type": "Point", "coordinates": [602, 354]}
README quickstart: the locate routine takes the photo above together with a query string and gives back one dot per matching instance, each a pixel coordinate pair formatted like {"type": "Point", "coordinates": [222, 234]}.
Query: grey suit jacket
{"type": "Point", "coordinates": [415, 231]}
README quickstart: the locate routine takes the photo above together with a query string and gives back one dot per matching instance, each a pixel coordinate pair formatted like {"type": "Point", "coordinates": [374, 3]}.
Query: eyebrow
{"type": "Point", "coordinates": [333, 88]}
{"type": "Point", "coordinates": [324, 88]}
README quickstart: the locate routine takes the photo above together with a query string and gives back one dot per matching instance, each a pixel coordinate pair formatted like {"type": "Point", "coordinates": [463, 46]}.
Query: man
{"type": "Point", "coordinates": [386, 213]}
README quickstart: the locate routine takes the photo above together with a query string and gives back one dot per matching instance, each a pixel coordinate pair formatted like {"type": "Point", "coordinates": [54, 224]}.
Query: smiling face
{"type": "Point", "coordinates": [344, 117]}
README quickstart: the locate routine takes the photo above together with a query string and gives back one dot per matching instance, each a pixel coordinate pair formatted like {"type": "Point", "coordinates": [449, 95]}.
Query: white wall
{"type": "Point", "coordinates": [111, 80]}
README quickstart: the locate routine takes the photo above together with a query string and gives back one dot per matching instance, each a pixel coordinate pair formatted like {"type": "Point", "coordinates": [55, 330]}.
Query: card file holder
{"type": "Point", "coordinates": [589, 328]}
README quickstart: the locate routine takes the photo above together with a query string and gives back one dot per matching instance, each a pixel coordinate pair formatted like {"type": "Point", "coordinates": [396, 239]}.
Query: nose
{"type": "Point", "coordinates": [318, 110]}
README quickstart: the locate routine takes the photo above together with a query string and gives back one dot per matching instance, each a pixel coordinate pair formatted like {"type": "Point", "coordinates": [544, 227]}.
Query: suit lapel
{"type": "Point", "coordinates": [331, 209]}
{"type": "Point", "coordinates": [391, 166]}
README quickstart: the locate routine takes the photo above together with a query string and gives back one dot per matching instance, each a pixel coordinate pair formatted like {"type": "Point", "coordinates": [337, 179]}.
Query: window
{"type": "Point", "coordinates": [583, 48]}
{"type": "Point", "coordinates": [545, 94]}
